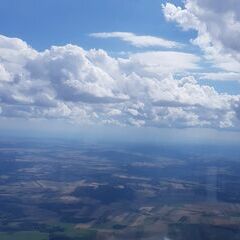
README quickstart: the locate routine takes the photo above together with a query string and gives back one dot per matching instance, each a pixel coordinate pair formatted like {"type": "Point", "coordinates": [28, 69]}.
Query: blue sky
{"type": "Point", "coordinates": [45, 23]}
{"type": "Point", "coordinates": [141, 63]}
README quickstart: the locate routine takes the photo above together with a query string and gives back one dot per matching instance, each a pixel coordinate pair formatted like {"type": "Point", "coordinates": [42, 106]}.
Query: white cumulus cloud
{"type": "Point", "coordinates": [89, 86]}
{"type": "Point", "coordinates": [217, 24]}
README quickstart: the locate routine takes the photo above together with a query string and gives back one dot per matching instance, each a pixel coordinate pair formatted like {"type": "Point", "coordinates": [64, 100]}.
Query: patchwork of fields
{"type": "Point", "coordinates": [62, 191]}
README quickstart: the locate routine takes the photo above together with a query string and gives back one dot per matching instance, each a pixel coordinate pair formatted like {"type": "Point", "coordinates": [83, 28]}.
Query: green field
{"type": "Point", "coordinates": [69, 233]}
{"type": "Point", "coordinates": [24, 236]}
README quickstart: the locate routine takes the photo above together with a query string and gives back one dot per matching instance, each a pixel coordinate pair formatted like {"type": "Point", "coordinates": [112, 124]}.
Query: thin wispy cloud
{"type": "Point", "coordinates": [221, 76]}
{"type": "Point", "coordinates": [140, 41]}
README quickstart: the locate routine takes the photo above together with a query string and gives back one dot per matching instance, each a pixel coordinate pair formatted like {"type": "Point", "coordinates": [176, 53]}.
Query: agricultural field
{"type": "Point", "coordinates": [62, 191]}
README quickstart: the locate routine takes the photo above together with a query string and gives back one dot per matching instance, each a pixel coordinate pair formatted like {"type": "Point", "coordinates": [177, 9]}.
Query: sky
{"type": "Point", "coordinates": [149, 65]}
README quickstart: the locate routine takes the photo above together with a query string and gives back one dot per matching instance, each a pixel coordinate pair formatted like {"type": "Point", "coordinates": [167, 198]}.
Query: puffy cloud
{"type": "Point", "coordinates": [114, 112]}
{"type": "Point", "coordinates": [13, 54]}
{"type": "Point", "coordinates": [218, 29]}
{"type": "Point", "coordinates": [137, 40]}
{"type": "Point", "coordinates": [71, 83]}
{"type": "Point", "coordinates": [74, 76]}
{"type": "Point", "coordinates": [4, 75]}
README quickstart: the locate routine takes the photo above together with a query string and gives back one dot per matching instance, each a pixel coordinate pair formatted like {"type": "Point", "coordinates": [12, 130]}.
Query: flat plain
{"type": "Point", "coordinates": [60, 190]}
